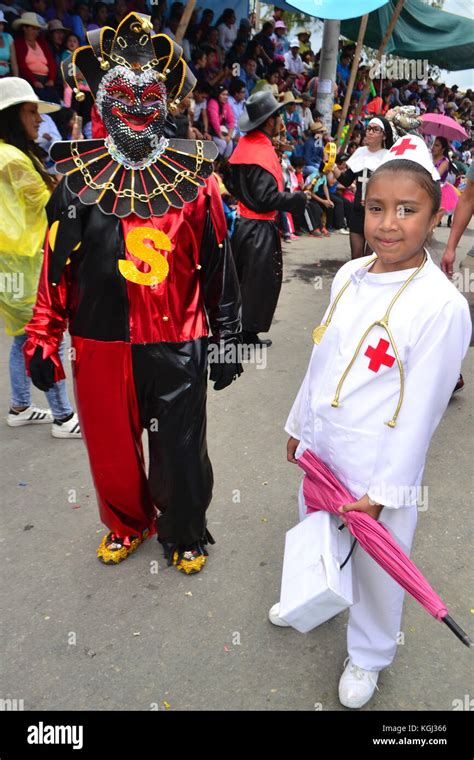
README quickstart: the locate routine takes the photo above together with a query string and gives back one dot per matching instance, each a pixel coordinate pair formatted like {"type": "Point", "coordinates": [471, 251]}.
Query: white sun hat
{"type": "Point", "coordinates": [29, 19]}
{"type": "Point", "coordinates": [14, 90]}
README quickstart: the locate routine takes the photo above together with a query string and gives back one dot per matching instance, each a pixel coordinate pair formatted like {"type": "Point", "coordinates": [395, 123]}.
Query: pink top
{"type": "Point", "coordinates": [36, 61]}
{"type": "Point", "coordinates": [226, 118]}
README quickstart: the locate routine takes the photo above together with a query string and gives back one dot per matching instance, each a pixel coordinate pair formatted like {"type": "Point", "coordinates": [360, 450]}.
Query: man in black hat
{"type": "Point", "coordinates": [256, 181]}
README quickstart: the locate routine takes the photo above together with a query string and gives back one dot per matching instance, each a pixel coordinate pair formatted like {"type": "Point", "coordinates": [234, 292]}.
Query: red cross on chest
{"type": "Point", "coordinates": [402, 148]}
{"type": "Point", "coordinates": [379, 356]}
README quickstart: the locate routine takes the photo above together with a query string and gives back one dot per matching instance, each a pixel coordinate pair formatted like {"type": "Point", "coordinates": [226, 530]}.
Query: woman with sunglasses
{"type": "Point", "coordinates": [364, 161]}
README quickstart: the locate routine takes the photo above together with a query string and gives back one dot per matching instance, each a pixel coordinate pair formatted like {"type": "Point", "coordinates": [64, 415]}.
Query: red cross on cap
{"type": "Point", "coordinates": [402, 147]}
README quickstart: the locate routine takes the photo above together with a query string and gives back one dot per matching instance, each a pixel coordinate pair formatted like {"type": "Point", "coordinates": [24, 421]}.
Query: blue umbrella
{"type": "Point", "coordinates": [338, 11]}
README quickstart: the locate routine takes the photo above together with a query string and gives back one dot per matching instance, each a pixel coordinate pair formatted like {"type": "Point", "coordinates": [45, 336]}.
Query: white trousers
{"type": "Point", "coordinates": [375, 617]}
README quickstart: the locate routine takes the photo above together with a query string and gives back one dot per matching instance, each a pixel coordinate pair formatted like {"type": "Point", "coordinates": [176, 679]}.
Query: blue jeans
{"type": "Point", "coordinates": [21, 384]}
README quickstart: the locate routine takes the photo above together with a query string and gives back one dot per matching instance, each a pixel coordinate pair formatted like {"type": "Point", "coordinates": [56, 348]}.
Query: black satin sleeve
{"type": "Point", "coordinates": [220, 285]}
{"type": "Point", "coordinates": [347, 177]}
{"type": "Point", "coordinates": [258, 190]}
{"type": "Point", "coordinates": [67, 210]}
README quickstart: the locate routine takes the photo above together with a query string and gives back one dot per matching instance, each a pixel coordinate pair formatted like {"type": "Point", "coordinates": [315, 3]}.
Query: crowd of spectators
{"type": "Point", "coordinates": [231, 60]}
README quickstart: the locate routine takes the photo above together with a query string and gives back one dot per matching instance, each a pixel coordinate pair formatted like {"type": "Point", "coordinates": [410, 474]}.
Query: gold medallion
{"type": "Point", "coordinates": [318, 333]}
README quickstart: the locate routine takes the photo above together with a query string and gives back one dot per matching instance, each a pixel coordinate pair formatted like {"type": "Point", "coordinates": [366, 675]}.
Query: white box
{"type": "Point", "coordinates": [313, 588]}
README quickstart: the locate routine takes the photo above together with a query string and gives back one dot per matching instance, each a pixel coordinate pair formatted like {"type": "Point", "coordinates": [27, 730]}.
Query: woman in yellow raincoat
{"type": "Point", "coordinates": [25, 188]}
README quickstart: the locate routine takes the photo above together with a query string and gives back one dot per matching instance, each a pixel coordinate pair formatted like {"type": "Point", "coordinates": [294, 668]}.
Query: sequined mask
{"type": "Point", "coordinates": [133, 109]}
{"type": "Point", "coordinates": [136, 78]}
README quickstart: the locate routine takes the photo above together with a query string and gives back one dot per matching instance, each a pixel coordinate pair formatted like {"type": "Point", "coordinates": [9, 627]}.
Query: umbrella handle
{"type": "Point", "coordinates": [349, 555]}
{"type": "Point", "coordinates": [457, 630]}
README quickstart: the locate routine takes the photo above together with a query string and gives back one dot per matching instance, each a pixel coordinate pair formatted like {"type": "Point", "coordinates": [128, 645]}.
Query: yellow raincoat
{"type": "Point", "coordinates": [23, 223]}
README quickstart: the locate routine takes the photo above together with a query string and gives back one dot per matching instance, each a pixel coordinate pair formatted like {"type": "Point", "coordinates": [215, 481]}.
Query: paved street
{"type": "Point", "coordinates": [79, 635]}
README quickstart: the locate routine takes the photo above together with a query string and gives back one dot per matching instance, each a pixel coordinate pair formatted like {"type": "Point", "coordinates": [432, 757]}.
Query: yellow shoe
{"type": "Point", "coordinates": [190, 561]}
{"type": "Point", "coordinates": [114, 549]}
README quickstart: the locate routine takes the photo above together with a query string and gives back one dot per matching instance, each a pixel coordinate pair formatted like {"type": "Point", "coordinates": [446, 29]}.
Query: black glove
{"type": "Point", "coordinates": [41, 370]}
{"type": "Point", "coordinates": [224, 372]}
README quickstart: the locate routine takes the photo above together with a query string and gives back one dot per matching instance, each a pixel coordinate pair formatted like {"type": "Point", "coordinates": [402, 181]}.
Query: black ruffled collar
{"type": "Point", "coordinates": [172, 180]}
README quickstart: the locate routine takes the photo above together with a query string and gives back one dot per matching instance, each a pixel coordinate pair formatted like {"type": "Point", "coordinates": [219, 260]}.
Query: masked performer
{"type": "Point", "coordinates": [138, 262]}
{"type": "Point", "coordinates": [257, 182]}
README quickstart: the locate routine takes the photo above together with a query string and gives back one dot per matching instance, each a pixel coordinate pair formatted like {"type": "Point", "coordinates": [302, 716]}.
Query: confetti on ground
{"type": "Point", "coordinates": [90, 652]}
{"type": "Point", "coordinates": [28, 526]}
{"type": "Point", "coordinates": [22, 483]}
{"type": "Point", "coordinates": [76, 506]}
{"type": "Point", "coordinates": [188, 593]}
{"type": "Point", "coordinates": [47, 617]}
{"type": "Point", "coordinates": [166, 705]}
{"type": "Point", "coordinates": [472, 612]}
{"type": "Point", "coordinates": [265, 483]}
{"type": "Point", "coordinates": [264, 519]}
{"type": "Point", "coordinates": [136, 633]}
{"type": "Point", "coordinates": [226, 648]}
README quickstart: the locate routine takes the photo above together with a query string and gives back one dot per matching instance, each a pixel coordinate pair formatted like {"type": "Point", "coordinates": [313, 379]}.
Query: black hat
{"type": "Point", "coordinates": [258, 108]}
{"type": "Point", "coordinates": [134, 46]}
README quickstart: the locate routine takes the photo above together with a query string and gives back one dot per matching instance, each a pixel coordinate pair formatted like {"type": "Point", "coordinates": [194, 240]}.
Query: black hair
{"type": "Point", "coordinates": [422, 177]}
{"type": "Point", "coordinates": [203, 87]}
{"type": "Point", "coordinates": [444, 144]}
{"type": "Point", "coordinates": [227, 13]}
{"type": "Point", "coordinates": [13, 132]}
{"type": "Point", "coordinates": [297, 162]}
{"type": "Point", "coordinates": [197, 54]}
{"type": "Point", "coordinates": [273, 68]}
{"type": "Point", "coordinates": [236, 85]}
{"type": "Point", "coordinates": [216, 91]}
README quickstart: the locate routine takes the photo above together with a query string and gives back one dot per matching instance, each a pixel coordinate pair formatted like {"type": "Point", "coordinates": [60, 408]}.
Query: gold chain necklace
{"type": "Point", "coordinates": [319, 331]}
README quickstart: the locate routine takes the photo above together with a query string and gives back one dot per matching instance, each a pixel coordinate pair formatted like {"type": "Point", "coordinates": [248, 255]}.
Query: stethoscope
{"type": "Point", "coordinates": [319, 331]}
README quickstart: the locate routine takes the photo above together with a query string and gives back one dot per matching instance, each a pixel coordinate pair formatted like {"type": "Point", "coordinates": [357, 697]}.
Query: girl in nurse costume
{"type": "Point", "coordinates": [369, 414]}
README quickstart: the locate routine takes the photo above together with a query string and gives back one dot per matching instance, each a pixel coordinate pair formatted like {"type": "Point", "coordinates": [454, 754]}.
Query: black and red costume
{"type": "Point", "coordinates": [256, 180]}
{"type": "Point", "coordinates": [139, 277]}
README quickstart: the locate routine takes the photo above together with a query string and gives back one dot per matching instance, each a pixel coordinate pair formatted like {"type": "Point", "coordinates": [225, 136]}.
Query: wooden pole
{"type": "Point", "coordinates": [378, 57]}
{"type": "Point", "coordinates": [185, 18]}
{"type": "Point", "coordinates": [352, 78]}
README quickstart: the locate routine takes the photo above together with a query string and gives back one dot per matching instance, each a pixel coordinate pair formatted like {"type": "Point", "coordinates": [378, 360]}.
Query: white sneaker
{"type": "Point", "coordinates": [357, 685]}
{"type": "Point", "coordinates": [344, 231]}
{"type": "Point", "coordinates": [274, 616]}
{"type": "Point", "coordinates": [69, 429]}
{"type": "Point", "coordinates": [30, 416]}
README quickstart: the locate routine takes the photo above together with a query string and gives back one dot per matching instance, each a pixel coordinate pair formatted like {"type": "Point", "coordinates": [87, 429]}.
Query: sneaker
{"type": "Point", "coordinates": [357, 685]}
{"type": "Point", "coordinates": [30, 416]}
{"type": "Point", "coordinates": [287, 238]}
{"type": "Point", "coordinates": [325, 232]}
{"type": "Point", "coordinates": [344, 231]}
{"type": "Point", "coordinates": [459, 385]}
{"type": "Point", "coordinates": [274, 616]}
{"type": "Point", "coordinates": [294, 237]}
{"type": "Point", "coordinates": [67, 429]}
{"type": "Point", "coordinates": [316, 233]}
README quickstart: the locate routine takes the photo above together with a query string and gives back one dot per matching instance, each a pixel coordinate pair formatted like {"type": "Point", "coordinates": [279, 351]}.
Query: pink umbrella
{"type": "Point", "coordinates": [442, 126]}
{"type": "Point", "coordinates": [322, 490]}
